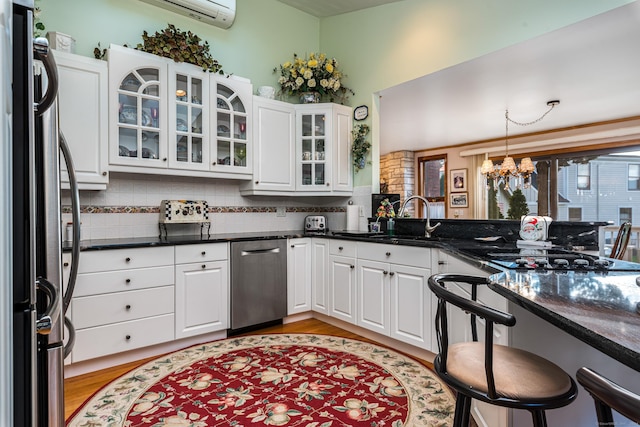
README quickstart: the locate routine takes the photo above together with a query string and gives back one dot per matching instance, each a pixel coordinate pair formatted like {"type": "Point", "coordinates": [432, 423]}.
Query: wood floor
{"type": "Point", "coordinates": [78, 389]}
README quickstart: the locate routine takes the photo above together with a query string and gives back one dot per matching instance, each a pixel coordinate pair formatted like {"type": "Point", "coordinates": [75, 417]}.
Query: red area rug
{"type": "Point", "coordinates": [281, 380]}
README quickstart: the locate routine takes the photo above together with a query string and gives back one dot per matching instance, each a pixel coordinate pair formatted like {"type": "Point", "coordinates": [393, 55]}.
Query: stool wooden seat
{"type": "Point", "coordinates": [496, 374]}
{"type": "Point", "coordinates": [608, 395]}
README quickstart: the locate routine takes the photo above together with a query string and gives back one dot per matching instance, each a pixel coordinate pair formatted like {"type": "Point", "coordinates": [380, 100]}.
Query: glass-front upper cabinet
{"type": "Point", "coordinates": [231, 150]}
{"type": "Point", "coordinates": [313, 148]}
{"type": "Point", "coordinates": [188, 118]}
{"type": "Point", "coordinates": [137, 119]}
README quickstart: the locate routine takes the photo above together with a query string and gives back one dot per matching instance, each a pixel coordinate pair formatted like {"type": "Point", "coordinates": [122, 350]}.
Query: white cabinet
{"type": "Point", "coordinates": [323, 148]}
{"type": "Point", "coordinates": [299, 275]}
{"type": "Point", "coordinates": [320, 275]}
{"type": "Point", "coordinates": [393, 295]}
{"type": "Point", "coordinates": [274, 148]}
{"type": "Point", "coordinates": [83, 105]}
{"type": "Point", "coordinates": [202, 289]}
{"type": "Point", "coordinates": [342, 280]}
{"type": "Point", "coordinates": [162, 118]}
{"type": "Point", "coordinates": [301, 149]}
{"type": "Point", "coordinates": [124, 299]}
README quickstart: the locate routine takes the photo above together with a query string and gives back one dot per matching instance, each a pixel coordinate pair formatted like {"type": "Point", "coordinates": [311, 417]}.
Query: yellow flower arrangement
{"type": "Point", "coordinates": [317, 73]}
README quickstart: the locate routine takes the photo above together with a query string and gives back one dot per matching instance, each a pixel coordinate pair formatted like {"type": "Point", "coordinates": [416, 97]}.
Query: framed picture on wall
{"type": "Point", "coordinates": [458, 180]}
{"type": "Point", "coordinates": [458, 200]}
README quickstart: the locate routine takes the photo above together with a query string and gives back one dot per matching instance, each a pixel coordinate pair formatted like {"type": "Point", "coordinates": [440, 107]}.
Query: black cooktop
{"type": "Point", "coordinates": [550, 259]}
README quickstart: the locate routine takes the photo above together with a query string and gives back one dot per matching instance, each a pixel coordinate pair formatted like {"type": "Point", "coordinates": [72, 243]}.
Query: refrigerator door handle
{"type": "Point", "coordinates": [45, 323]}
{"type": "Point", "coordinates": [75, 218]}
{"type": "Point", "coordinates": [41, 52]}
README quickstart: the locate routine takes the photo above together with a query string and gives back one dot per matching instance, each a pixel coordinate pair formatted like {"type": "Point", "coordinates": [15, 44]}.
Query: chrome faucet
{"type": "Point", "coordinates": [428, 229]}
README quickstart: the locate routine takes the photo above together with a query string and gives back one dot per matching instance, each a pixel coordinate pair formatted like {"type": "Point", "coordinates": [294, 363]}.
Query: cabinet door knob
{"type": "Point", "coordinates": [66, 264]}
{"type": "Point", "coordinates": [127, 259]}
{"type": "Point", "coordinates": [385, 272]}
{"type": "Point", "coordinates": [204, 266]}
{"type": "Point", "coordinates": [257, 182]}
{"type": "Point", "coordinates": [328, 184]}
{"type": "Point", "coordinates": [391, 273]}
{"type": "Point", "coordinates": [203, 253]}
{"type": "Point", "coordinates": [340, 248]}
{"type": "Point", "coordinates": [164, 159]}
{"type": "Point", "coordinates": [352, 266]}
{"type": "Point", "coordinates": [213, 164]}
{"type": "Point", "coordinates": [128, 307]}
{"type": "Point", "coordinates": [128, 337]}
{"type": "Point", "coordinates": [388, 254]}
{"type": "Point", "coordinates": [104, 174]}
{"type": "Point", "coordinates": [293, 246]}
{"type": "Point", "coordinates": [128, 281]}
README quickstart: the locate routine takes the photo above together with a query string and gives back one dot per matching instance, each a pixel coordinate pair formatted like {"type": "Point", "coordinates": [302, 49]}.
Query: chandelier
{"type": "Point", "coordinates": [508, 169]}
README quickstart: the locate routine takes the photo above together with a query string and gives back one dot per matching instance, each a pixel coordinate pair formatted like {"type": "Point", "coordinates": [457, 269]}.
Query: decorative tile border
{"type": "Point", "coordinates": [212, 209]}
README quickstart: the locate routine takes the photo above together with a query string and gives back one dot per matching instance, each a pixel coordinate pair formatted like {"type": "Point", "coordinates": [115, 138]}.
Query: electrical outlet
{"type": "Point", "coordinates": [281, 211]}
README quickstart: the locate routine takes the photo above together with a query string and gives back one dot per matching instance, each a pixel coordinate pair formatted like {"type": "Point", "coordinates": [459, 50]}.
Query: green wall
{"type": "Point", "coordinates": [377, 48]}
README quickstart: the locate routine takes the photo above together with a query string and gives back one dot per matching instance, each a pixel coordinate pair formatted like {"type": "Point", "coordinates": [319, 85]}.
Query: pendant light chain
{"type": "Point", "coordinates": [551, 105]}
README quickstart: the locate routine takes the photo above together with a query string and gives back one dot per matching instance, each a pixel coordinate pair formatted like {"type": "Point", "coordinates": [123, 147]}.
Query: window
{"type": "Point", "coordinates": [625, 215]}
{"type": "Point", "coordinates": [634, 177]}
{"type": "Point", "coordinates": [612, 176]}
{"type": "Point", "coordinates": [432, 185]}
{"type": "Point", "coordinates": [584, 176]}
{"type": "Point", "coordinates": [575, 214]}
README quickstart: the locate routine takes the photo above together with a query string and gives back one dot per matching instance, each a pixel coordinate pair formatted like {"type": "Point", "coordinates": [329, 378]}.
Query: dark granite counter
{"type": "Point", "coordinates": [601, 309]}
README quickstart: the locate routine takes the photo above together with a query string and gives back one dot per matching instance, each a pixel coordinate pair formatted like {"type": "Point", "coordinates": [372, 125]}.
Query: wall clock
{"type": "Point", "coordinates": [361, 112]}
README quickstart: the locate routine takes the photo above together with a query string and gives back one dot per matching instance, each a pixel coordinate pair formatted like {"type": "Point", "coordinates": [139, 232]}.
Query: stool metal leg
{"type": "Point", "coordinates": [539, 418]}
{"type": "Point", "coordinates": [603, 411]}
{"type": "Point", "coordinates": [463, 408]}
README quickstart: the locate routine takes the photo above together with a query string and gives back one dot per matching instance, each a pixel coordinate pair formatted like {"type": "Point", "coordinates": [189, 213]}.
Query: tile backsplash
{"type": "Point", "coordinates": [130, 207]}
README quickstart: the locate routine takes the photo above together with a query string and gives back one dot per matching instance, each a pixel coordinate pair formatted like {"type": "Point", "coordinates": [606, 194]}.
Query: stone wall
{"type": "Point", "coordinates": [397, 171]}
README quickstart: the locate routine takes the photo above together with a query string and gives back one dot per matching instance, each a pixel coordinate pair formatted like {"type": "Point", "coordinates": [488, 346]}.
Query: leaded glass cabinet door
{"type": "Point", "coordinates": [313, 149]}
{"type": "Point", "coordinates": [188, 118]}
{"type": "Point", "coordinates": [137, 117]}
{"type": "Point", "coordinates": [231, 147]}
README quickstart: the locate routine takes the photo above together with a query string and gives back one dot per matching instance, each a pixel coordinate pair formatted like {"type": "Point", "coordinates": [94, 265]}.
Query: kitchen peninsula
{"type": "Point", "coordinates": [571, 317]}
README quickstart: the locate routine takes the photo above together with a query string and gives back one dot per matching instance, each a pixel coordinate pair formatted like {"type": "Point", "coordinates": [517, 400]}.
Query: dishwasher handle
{"type": "Point", "coordinates": [260, 252]}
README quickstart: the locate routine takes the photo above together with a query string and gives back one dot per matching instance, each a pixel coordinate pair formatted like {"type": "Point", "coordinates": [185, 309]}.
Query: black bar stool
{"type": "Point", "coordinates": [608, 395]}
{"type": "Point", "coordinates": [493, 373]}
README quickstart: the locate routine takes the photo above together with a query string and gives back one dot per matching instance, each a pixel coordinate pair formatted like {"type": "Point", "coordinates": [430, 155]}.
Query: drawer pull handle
{"type": "Point", "coordinates": [388, 254]}
{"type": "Point", "coordinates": [66, 264]}
{"type": "Point", "coordinates": [128, 259]}
{"type": "Point", "coordinates": [340, 248]}
{"type": "Point", "coordinates": [442, 263]}
{"type": "Point", "coordinates": [128, 281]}
{"type": "Point", "coordinates": [352, 266]}
{"type": "Point", "coordinates": [293, 246]}
{"type": "Point", "coordinates": [128, 307]}
{"type": "Point", "coordinates": [203, 253]}
{"type": "Point", "coordinates": [204, 265]}
{"type": "Point", "coordinates": [128, 337]}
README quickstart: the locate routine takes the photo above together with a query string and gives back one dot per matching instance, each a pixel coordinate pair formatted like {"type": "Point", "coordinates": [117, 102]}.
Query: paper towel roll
{"type": "Point", "coordinates": [353, 217]}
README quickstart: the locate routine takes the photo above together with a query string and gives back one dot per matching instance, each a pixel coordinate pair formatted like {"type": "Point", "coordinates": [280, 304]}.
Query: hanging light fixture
{"type": "Point", "coordinates": [508, 169]}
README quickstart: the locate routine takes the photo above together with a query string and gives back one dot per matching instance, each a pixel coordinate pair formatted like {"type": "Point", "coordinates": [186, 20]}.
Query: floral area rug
{"type": "Point", "coordinates": [277, 380]}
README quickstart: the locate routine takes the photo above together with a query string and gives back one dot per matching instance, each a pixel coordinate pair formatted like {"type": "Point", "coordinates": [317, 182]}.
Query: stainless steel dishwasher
{"type": "Point", "coordinates": [258, 282]}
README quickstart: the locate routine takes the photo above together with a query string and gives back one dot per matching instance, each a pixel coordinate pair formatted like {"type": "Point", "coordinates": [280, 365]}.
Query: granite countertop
{"type": "Point", "coordinates": [597, 308]}
{"type": "Point", "coordinates": [600, 309]}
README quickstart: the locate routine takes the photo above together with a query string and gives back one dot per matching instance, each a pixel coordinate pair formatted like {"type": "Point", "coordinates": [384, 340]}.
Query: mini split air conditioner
{"type": "Point", "coordinates": [220, 13]}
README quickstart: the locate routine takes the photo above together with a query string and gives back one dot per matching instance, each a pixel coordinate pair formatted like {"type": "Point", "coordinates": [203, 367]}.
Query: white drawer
{"type": "Point", "coordinates": [120, 259]}
{"type": "Point", "coordinates": [117, 307]}
{"type": "Point", "coordinates": [201, 252]}
{"type": "Point", "coordinates": [395, 254]}
{"type": "Point", "coordinates": [342, 248]}
{"type": "Point", "coordinates": [124, 280]}
{"type": "Point", "coordinates": [118, 337]}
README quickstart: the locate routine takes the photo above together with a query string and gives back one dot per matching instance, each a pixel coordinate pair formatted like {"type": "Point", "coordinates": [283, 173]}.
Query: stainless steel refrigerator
{"type": "Point", "coordinates": [33, 372]}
